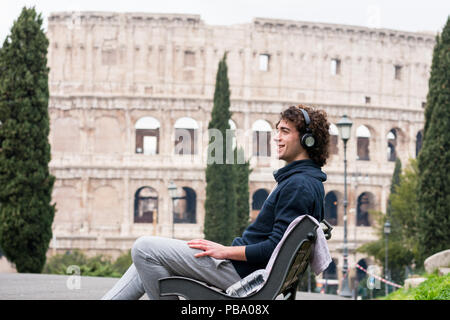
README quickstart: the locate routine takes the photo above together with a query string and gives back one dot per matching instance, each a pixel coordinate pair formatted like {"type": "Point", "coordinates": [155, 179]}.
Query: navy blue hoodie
{"type": "Point", "coordinates": [299, 191]}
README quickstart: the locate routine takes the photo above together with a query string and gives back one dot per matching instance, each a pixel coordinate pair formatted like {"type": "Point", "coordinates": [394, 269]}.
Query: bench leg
{"type": "Point", "coordinates": [291, 293]}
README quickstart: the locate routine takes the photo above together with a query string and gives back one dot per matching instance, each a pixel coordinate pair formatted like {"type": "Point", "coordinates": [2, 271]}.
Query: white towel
{"type": "Point", "coordinates": [320, 255]}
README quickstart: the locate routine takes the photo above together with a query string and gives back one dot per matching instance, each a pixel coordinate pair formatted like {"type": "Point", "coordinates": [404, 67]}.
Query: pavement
{"type": "Point", "coordinates": [23, 286]}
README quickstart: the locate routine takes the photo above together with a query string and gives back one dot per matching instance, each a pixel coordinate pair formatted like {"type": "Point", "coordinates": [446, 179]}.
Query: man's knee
{"type": "Point", "coordinates": [140, 246]}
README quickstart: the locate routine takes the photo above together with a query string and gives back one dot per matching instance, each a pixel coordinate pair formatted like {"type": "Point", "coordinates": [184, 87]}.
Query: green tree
{"type": "Point", "coordinates": [26, 214]}
{"type": "Point", "coordinates": [405, 209]}
{"type": "Point", "coordinates": [399, 256]}
{"type": "Point", "coordinates": [242, 173]}
{"type": "Point", "coordinates": [394, 183]}
{"type": "Point", "coordinates": [402, 241]}
{"type": "Point", "coordinates": [220, 203]}
{"type": "Point", "coordinates": [434, 157]}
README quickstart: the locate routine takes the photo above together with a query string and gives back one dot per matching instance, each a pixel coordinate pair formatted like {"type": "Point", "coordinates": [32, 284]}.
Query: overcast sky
{"type": "Point", "coordinates": [408, 15]}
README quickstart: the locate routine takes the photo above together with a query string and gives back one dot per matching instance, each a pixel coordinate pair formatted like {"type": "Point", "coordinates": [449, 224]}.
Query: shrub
{"type": "Point", "coordinates": [59, 263]}
{"type": "Point", "coordinates": [97, 266]}
{"type": "Point", "coordinates": [434, 288]}
{"type": "Point", "coordinates": [123, 262]}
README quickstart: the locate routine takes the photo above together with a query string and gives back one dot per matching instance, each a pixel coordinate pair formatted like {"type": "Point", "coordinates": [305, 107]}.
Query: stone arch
{"type": "Point", "coordinates": [360, 274]}
{"type": "Point", "coordinates": [147, 123]}
{"type": "Point", "coordinates": [395, 141]}
{"type": "Point", "coordinates": [261, 138]}
{"type": "Point", "coordinates": [261, 125]}
{"type": "Point", "coordinates": [331, 208]}
{"type": "Point", "coordinates": [334, 139]}
{"type": "Point", "coordinates": [147, 135]}
{"type": "Point", "coordinates": [330, 278]}
{"type": "Point", "coordinates": [65, 134]}
{"type": "Point", "coordinates": [258, 198]}
{"type": "Point", "coordinates": [145, 205]}
{"type": "Point", "coordinates": [186, 123]}
{"type": "Point", "coordinates": [186, 206]}
{"type": "Point", "coordinates": [391, 145]}
{"type": "Point", "coordinates": [363, 137]}
{"type": "Point", "coordinates": [186, 132]}
{"type": "Point", "coordinates": [331, 271]}
{"type": "Point", "coordinates": [365, 203]}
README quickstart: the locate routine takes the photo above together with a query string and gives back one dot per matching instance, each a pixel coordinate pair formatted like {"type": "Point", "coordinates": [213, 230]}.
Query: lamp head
{"type": "Point", "coordinates": [344, 125]}
{"type": "Point", "coordinates": [387, 228]}
{"type": "Point", "coordinates": [172, 189]}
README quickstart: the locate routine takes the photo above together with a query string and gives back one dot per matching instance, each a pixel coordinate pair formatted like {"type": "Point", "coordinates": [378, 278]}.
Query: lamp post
{"type": "Point", "coordinates": [173, 194]}
{"type": "Point", "coordinates": [387, 231]}
{"type": "Point", "coordinates": [344, 125]}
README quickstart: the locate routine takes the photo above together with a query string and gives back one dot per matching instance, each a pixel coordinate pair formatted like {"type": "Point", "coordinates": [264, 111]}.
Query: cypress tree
{"type": "Point", "coordinates": [394, 183]}
{"type": "Point", "coordinates": [26, 214]}
{"type": "Point", "coordinates": [220, 203]}
{"type": "Point", "coordinates": [242, 173]}
{"type": "Point", "coordinates": [434, 158]}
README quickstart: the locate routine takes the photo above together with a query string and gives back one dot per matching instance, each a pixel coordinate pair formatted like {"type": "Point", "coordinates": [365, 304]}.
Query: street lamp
{"type": "Point", "coordinates": [387, 231]}
{"type": "Point", "coordinates": [173, 194]}
{"type": "Point", "coordinates": [344, 125]}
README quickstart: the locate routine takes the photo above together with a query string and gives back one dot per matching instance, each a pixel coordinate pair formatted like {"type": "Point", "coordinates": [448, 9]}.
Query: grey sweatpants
{"type": "Point", "coordinates": [155, 258]}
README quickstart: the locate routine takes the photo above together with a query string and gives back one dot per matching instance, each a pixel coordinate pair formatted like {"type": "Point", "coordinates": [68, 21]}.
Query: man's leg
{"type": "Point", "coordinates": [129, 287]}
{"type": "Point", "coordinates": [156, 258]}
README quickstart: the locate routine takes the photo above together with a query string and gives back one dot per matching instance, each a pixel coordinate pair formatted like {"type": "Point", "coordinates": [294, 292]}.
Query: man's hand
{"type": "Point", "coordinates": [217, 250]}
{"type": "Point", "coordinates": [209, 248]}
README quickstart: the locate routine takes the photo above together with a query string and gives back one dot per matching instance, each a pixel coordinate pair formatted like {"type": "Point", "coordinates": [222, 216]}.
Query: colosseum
{"type": "Point", "coordinates": [123, 86]}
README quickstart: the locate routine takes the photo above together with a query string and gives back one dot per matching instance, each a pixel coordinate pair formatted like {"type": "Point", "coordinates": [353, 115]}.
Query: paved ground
{"type": "Point", "coordinates": [15, 286]}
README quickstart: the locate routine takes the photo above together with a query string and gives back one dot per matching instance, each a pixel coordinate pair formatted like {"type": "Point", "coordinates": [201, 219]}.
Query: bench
{"type": "Point", "coordinates": [288, 268]}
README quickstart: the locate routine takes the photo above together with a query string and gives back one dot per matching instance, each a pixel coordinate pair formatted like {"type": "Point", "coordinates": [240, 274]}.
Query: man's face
{"type": "Point", "coordinates": [288, 142]}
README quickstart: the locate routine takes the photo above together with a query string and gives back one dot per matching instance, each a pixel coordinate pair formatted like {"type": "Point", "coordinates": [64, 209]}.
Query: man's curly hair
{"type": "Point", "coordinates": [319, 126]}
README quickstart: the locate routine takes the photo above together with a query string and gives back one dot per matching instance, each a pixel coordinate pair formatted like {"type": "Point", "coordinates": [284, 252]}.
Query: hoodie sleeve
{"type": "Point", "coordinates": [292, 202]}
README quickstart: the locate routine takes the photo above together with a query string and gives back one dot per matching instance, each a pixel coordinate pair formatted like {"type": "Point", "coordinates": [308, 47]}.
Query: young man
{"type": "Point", "coordinates": [302, 141]}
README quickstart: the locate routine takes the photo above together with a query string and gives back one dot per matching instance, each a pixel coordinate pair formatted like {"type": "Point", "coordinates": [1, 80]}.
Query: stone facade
{"type": "Point", "coordinates": [109, 71]}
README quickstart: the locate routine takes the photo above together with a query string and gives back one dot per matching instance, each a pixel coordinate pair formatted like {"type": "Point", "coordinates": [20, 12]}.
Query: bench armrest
{"type": "Point", "coordinates": [326, 227]}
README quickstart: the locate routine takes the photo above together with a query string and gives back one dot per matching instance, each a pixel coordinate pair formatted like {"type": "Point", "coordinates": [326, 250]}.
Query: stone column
{"type": "Point", "coordinates": [125, 229]}
{"type": "Point", "coordinates": [84, 204]}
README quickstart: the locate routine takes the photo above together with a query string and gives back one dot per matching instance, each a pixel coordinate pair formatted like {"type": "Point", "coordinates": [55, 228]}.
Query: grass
{"type": "Point", "coordinates": [434, 288]}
